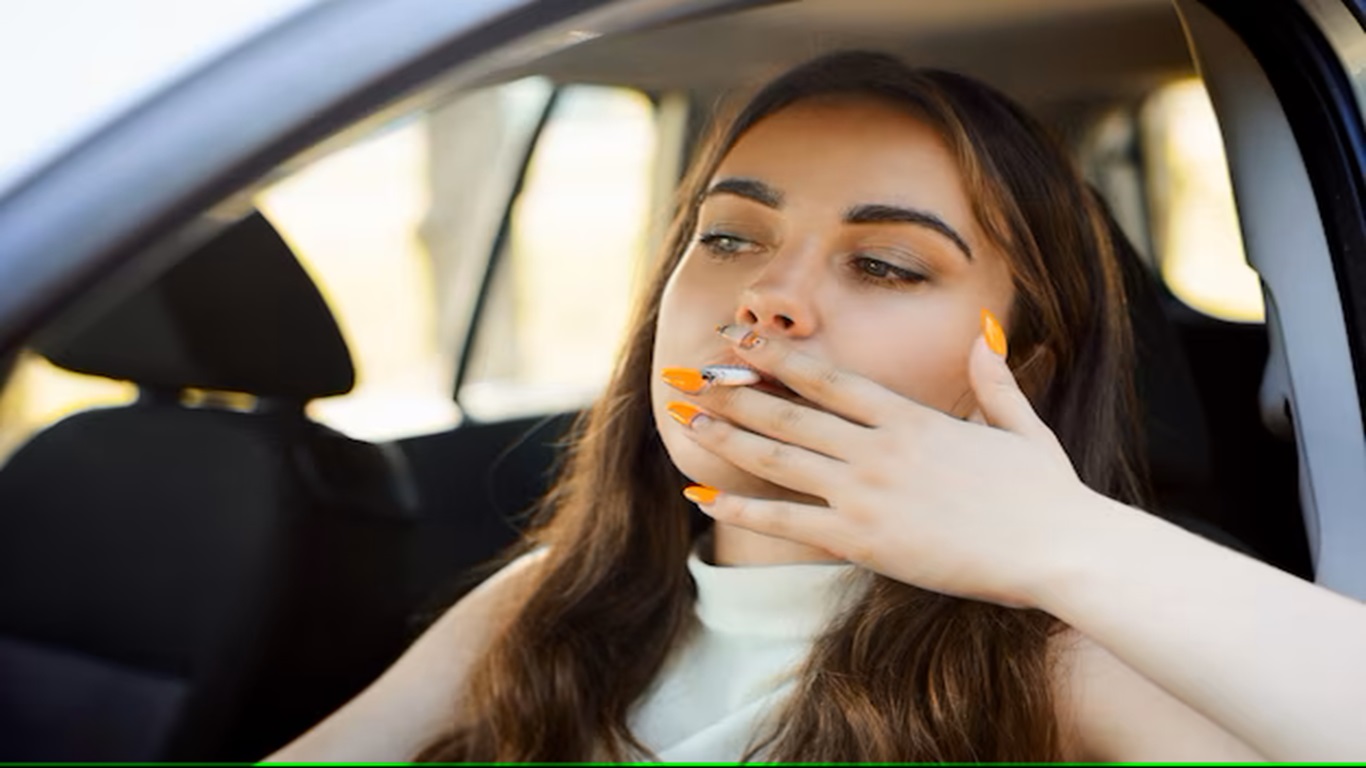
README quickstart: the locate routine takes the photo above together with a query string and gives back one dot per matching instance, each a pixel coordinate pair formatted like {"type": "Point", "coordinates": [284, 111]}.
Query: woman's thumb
{"type": "Point", "coordinates": [998, 395]}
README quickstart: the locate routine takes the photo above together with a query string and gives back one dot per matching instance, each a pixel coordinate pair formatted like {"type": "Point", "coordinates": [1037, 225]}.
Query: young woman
{"type": "Point", "coordinates": [897, 253]}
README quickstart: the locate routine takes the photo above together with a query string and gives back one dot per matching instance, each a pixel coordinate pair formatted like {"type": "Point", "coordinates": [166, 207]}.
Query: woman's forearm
{"type": "Point", "coordinates": [1275, 660]}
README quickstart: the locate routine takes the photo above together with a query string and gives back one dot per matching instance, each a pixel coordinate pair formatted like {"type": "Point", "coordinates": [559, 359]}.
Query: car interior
{"type": "Point", "coordinates": [206, 571]}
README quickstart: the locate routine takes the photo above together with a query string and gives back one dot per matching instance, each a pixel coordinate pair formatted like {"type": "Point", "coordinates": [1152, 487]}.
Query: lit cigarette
{"type": "Point", "coordinates": [730, 375]}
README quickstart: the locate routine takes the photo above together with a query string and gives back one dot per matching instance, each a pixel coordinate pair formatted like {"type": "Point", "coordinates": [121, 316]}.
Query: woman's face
{"type": "Point", "coordinates": [842, 225]}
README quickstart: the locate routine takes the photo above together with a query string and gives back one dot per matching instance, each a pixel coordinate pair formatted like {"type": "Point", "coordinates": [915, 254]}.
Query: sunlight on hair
{"type": "Point", "coordinates": [1195, 220]}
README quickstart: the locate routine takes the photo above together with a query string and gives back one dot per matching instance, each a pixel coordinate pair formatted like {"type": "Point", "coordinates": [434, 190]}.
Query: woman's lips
{"type": "Point", "coordinates": [766, 384]}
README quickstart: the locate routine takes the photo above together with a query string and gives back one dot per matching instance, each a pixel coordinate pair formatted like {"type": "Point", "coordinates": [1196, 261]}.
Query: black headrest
{"type": "Point", "coordinates": [238, 314]}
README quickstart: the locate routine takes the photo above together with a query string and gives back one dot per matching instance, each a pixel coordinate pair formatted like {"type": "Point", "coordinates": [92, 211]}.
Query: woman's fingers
{"type": "Point", "coordinates": [784, 464]}
{"type": "Point", "coordinates": [803, 523]}
{"type": "Point", "coordinates": [791, 422]}
{"type": "Point", "coordinates": [838, 391]}
{"type": "Point", "coordinates": [998, 394]}
{"type": "Point", "coordinates": [896, 487]}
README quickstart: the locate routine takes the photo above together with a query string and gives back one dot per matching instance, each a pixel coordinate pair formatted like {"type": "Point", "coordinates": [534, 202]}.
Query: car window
{"type": "Point", "coordinates": [395, 231]}
{"type": "Point", "coordinates": [1194, 221]}
{"type": "Point", "coordinates": [577, 244]}
{"type": "Point", "coordinates": [351, 220]}
{"type": "Point", "coordinates": [38, 394]}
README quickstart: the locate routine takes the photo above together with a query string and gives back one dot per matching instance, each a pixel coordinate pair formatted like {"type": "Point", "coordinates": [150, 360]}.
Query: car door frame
{"type": "Point", "coordinates": [313, 82]}
{"type": "Point", "coordinates": [1286, 80]}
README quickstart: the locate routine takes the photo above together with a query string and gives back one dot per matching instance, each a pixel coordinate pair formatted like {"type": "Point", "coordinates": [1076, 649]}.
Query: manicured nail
{"type": "Point", "coordinates": [742, 335]}
{"type": "Point", "coordinates": [991, 328]}
{"type": "Point", "coordinates": [700, 494]}
{"type": "Point", "coordinates": [688, 380]}
{"type": "Point", "coordinates": [684, 413]}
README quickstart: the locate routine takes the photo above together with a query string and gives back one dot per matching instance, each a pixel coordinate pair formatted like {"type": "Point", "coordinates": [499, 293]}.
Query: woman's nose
{"type": "Point", "coordinates": [781, 303]}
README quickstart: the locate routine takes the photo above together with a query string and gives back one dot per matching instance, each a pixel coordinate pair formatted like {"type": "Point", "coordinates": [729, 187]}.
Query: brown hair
{"type": "Point", "coordinates": [906, 674]}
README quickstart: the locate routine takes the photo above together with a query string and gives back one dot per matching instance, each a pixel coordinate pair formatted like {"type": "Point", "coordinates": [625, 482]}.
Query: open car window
{"type": "Point", "coordinates": [577, 245]}
{"type": "Point", "coordinates": [1193, 216]}
{"type": "Point", "coordinates": [396, 229]}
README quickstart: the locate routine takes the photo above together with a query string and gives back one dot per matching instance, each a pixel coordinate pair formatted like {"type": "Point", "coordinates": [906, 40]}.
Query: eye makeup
{"type": "Point", "coordinates": [890, 214]}
{"type": "Point", "coordinates": [870, 269]}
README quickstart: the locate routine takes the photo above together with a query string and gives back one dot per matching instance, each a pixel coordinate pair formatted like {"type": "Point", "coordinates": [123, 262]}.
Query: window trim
{"type": "Point", "coordinates": [1317, 95]}
{"type": "Point", "coordinates": [1295, 141]}
{"type": "Point", "coordinates": [498, 248]}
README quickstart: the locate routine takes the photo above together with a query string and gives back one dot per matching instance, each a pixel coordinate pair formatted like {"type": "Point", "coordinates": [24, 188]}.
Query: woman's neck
{"type": "Point", "coordinates": [737, 546]}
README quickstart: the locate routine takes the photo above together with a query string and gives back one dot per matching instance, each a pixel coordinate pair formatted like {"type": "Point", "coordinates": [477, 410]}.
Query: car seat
{"type": "Point", "coordinates": [198, 582]}
{"type": "Point", "coordinates": [1174, 427]}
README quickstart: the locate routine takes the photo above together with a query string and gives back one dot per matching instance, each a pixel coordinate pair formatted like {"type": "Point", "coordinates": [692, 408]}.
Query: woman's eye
{"type": "Point", "coordinates": [878, 271]}
{"type": "Point", "coordinates": [727, 246]}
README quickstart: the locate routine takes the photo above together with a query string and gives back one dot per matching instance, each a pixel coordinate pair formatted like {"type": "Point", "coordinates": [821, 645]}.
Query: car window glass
{"type": "Point", "coordinates": [38, 394]}
{"type": "Point", "coordinates": [394, 230]}
{"type": "Point", "coordinates": [577, 243]}
{"type": "Point", "coordinates": [351, 219]}
{"type": "Point", "coordinates": [1193, 216]}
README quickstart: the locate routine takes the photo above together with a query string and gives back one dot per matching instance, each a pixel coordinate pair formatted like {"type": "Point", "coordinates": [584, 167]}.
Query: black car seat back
{"type": "Point", "coordinates": [197, 582]}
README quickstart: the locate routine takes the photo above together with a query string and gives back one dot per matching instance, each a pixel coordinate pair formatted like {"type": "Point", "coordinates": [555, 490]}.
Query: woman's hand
{"type": "Point", "coordinates": [997, 513]}
{"type": "Point", "coordinates": [963, 508]}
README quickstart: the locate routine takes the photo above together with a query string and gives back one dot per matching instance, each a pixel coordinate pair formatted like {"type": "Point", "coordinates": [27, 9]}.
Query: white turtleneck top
{"type": "Point", "coordinates": [756, 627]}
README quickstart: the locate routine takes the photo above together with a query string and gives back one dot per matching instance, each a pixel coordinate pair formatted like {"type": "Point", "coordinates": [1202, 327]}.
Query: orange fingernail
{"type": "Point", "coordinates": [686, 379]}
{"type": "Point", "coordinates": [700, 494]}
{"type": "Point", "coordinates": [991, 328]}
{"type": "Point", "coordinates": [684, 413]}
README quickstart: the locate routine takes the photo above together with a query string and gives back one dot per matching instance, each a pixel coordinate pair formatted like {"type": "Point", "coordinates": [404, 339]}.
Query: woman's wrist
{"type": "Point", "coordinates": [1101, 536]}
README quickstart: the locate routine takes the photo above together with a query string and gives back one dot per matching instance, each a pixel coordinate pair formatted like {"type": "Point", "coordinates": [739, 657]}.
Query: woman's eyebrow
{"type": "Point", "coordinates": [750, 189]}
{"type": "Point", "coordinates": [891, 214]}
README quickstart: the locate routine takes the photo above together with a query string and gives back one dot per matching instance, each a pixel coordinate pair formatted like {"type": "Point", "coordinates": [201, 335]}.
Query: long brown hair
{"type": "Point", "coordinates": [906, 674]}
